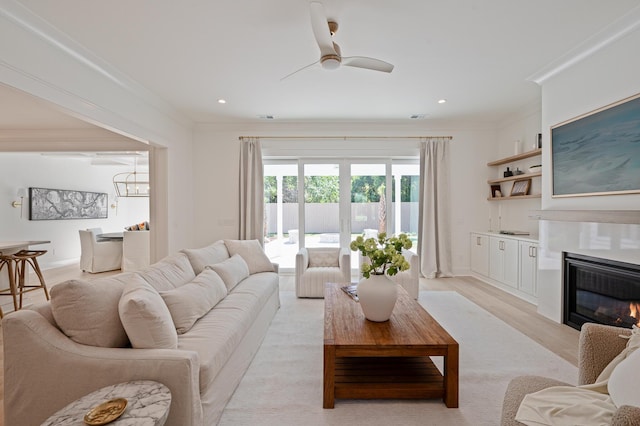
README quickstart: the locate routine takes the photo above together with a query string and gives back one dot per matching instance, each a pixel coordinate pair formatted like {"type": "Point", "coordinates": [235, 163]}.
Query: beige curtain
{"type": "Point", "coordinates": [251, 190]}
{"type": "Point", "coordinates": [434, 227]}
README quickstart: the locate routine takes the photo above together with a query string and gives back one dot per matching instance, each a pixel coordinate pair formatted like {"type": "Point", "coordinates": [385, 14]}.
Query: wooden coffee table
{"type": "Point", "coordinates": [391, 360]}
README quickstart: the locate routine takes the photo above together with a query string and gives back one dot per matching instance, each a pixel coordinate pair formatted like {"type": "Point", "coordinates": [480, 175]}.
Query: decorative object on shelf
{"type": "Point", "coordinates": [59, 204]}
{"type": "Point", "coordinates": [538, 144]}
{"type": "Point", "coordinates": [517, 147]}
{"type": "Point", "coordinates": [507, 173]}
{"type": "Point", "coordinates": [496, 191]}
{"type": "Point", "coordinates": [520, 187]}
{"type": "Point", "coordinates": [596, 153]}
{"type": "Point", "coordinates": [518, 172]}
{"type": "Point", "coordinates": [377, 293]}
{"type": "Point", "coordinates": [535, 169]}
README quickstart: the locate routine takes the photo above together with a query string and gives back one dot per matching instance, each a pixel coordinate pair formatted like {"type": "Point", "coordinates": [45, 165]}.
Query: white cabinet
{"type": "Point", "coordinates": [503, 260]}
{"type": "Point", "coordinates": [528, 268]}
{"type": "Point", "coordinates": [480, 254]}
{"type": "Point", "coordinates": [509, 262]}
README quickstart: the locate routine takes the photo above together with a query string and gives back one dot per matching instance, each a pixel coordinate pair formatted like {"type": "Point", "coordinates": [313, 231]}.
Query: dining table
{"type": "Point", "coordinates": [115, 236]}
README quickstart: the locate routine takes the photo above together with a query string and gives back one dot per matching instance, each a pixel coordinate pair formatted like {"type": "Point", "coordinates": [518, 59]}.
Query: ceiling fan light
{"type": "Point", "coordinates": [331, 63]}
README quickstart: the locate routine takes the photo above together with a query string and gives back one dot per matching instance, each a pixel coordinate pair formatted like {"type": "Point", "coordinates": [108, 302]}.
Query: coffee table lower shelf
{"type": "Point", "coordinates": [387, 378]}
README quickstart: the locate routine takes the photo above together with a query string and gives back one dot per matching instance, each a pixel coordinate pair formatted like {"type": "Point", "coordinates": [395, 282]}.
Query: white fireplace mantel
{"type": "Point", "coordinates": [606, 234]}
{"type": "Point", "coordinates": [596, 216]}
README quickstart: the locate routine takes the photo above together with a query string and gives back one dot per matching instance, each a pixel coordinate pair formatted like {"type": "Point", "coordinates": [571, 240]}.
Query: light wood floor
{"type": "Point", "coordinates": [559, 339]}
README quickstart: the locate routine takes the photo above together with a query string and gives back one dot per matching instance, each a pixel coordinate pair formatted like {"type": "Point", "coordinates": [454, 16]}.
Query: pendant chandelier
{"type": "Point", "coordinates": [131, 184]}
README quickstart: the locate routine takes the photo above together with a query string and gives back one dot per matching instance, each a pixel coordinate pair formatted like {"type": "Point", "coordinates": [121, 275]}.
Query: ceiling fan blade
{"type": "Point", "coordinates": [321, 29]}
{"type": "Point", "coordinates": [303, 68]}
{"type": "Point", "coordinates": [367, 63]}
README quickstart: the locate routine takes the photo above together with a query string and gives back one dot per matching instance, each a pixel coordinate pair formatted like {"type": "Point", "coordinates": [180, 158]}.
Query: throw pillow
{"type": "Point", "coordinates": [87, 311]}
{"type": "Point", "coordinates": [190, 302]}
{"type": "Point", "coordinates": [171, 272]}
{"type": "Point", "coordinates": [323, 257]}
{"type": "Point", "coordinates": [623, 383]}
{"type": "Point", "coordinates": [212, 254]}
{"type": "Point", "coordinates": [146, 318]}
{"type": "Point", "coordinates": [232, 270]}
{"type": "Point", "coordinates": [252, 253]}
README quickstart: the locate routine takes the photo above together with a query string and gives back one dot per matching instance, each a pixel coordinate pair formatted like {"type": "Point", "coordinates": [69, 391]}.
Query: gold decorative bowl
{"type": "Point", "coordinates": [106, 412]}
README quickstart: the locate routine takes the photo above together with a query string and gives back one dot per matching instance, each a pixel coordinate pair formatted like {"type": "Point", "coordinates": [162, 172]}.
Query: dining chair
{"type": "Point", "coordinates": [99, 256]}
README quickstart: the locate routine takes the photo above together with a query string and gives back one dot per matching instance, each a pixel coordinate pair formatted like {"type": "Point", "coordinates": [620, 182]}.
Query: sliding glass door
{"type": "Point", "coordinates": [327, 203]}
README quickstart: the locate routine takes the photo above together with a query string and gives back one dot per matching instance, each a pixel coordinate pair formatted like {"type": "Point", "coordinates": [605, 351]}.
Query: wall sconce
{"type": "Point", "coordinates": [22, 193]}
{"type": "Point", "coordinates": [114, 205]}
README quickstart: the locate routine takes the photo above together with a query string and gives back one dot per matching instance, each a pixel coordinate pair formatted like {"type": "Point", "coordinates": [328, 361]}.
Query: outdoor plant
{"type": "Point", "coordinates": [384, 254]}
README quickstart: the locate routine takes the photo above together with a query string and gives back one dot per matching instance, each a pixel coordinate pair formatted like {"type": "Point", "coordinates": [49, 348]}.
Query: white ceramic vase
{"type": "Point", "coordinates": [377, 295]}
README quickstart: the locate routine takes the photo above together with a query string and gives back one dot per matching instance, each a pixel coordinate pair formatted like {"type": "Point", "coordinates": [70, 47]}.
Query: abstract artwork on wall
{"type": "Point", "coordinates": [598, 153]}
{"type": "Point", "coordinates": [60, 204]}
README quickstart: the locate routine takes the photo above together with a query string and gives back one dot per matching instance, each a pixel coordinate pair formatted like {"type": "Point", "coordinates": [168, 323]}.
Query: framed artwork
{"type": "Point", "coordinates": [60, 204]}
{"type": "Point", "coordinates": [496, 191]}
{"type": "Point", "coordinates": [520, 187]}
{"type": "Point", "coordinates": [598, 153]}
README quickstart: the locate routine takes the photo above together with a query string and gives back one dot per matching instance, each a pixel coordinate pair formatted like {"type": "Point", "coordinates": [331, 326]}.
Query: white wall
{"type": "Point", "coordinates": [216, 165]}
{"type": "Point", "coordinates": [18, 170]}
{"type": "Point", "coordinates": [607, 76]}
{"type": "Point", "coordinates": [522, 126]}
{"type": "Point", "coordinates": [43, 62]}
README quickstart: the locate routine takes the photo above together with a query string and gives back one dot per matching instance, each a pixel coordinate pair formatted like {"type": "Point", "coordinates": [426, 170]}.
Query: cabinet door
{"type": "Point", "coordinates": [528, 268]}
{"type": "Point", "coordinates": [511, 263]}
{"type": "Point", "coordinates": [480, 254]}
{"type": "Point", "coordinates": [503, 260]}
{"type": "Point", "coordinates": [496, 258]}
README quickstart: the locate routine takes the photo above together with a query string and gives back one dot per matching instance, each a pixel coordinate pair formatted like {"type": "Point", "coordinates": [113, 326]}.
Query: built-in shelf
{"type": "Point", "coordinates": [496, 184]}
{"type": "Point", "coordinates": [514, 197]}
{"type": "Point", "coordinates": [515, 177]}
{"type": "Point", "coordinates": [517, 157]}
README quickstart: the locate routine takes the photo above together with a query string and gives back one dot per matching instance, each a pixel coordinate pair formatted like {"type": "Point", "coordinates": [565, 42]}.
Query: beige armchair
{"type": "Point", "coordinates": [598, 346]}
{"type": "Point", "coordinates": [409, 280]}
{"type": "Point", "coordinates": [135, 250]}
{"type": "Point", "coordinates": [316, 266]}
{"type": "Point", "coordinates": [99, 256]}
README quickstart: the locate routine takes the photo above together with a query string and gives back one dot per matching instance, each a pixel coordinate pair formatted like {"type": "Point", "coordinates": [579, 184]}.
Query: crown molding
{"type": "Point", "coordinates": [608, 35]}
{"type": "Point", "coordinates": [37, 27]}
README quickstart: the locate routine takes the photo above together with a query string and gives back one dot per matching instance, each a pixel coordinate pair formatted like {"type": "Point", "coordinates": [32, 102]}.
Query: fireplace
{"type": "Point", "coordinates": [600, 290]}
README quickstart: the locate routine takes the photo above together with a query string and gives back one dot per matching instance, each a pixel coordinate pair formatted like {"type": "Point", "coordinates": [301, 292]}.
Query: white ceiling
{"type": "Point", "coordinates": [477, 54]}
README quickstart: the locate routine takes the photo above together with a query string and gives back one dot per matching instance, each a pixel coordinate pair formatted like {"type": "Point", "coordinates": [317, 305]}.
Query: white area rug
{"type": "Point", "coordinates": [283, 385]}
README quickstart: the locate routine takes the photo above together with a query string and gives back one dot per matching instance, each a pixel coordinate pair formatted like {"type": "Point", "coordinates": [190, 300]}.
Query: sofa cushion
{"type": "Point", "coordinates": [623, 383]}
{"type": "Point", "coordinates": [232, 270]}
{"type": "Point", "coordinates": [171, 272]}
{"type": "Point", "coordinates": [252, 253]}
{"type": "Point", "coordinates": [87, 311]}
{"type": "Point", "coordinates": [190, 302]}
{"type": "Point", "coordinates": [217, 334]}
{"type": "Point", "coordinates": [210, 255]}
{"type": "Point", "coordinates": [323, 257]}
{"type": "Point", "coordinates": [146, 318]}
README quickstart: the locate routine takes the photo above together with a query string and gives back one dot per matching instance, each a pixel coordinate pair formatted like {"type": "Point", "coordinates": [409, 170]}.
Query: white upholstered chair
{"type": "Point", "coordinates": [409, 280]}
{"type": "Point", "coordinates": [135, 250]}
{"type": "Point", "coordinates": [316, 266]}
{"type": "Point", "coordinates": [99, 256]}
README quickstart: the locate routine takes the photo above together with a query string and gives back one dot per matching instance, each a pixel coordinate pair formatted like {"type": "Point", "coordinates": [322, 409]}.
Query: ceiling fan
{"type": "Point", "coordinates": [330, 55]}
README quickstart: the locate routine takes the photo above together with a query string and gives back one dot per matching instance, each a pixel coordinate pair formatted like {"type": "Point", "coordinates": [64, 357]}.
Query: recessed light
{"type": "Point", "coordinates": [222, 101]}
{"type": "Point", "coordinates": [442, 101]}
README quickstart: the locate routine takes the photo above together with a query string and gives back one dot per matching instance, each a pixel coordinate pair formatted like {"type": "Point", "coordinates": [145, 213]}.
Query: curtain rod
{"type": "Point", "coordinates": [345, 137]}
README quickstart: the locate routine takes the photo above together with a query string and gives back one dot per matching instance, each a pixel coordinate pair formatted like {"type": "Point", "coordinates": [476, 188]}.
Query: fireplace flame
{"type": "Point", "coordinates": [634, 309]}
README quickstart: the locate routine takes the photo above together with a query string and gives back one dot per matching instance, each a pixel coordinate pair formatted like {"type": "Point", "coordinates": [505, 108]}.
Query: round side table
{"type": "Point", "coordinates": [147, 405]}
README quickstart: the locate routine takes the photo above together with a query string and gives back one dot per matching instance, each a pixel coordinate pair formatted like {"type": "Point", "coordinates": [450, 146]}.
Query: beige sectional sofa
{"type": "Point", "coordinates": [192, 321]}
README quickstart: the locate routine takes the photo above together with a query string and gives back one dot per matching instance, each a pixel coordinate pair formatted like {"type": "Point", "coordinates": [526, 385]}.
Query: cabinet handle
{"type": "Point", "coordinates": [478, 241]}
{"type": "Point", "coordinates": [501, 245]}
{"type": "Point", "coordinates": [534, 251]}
